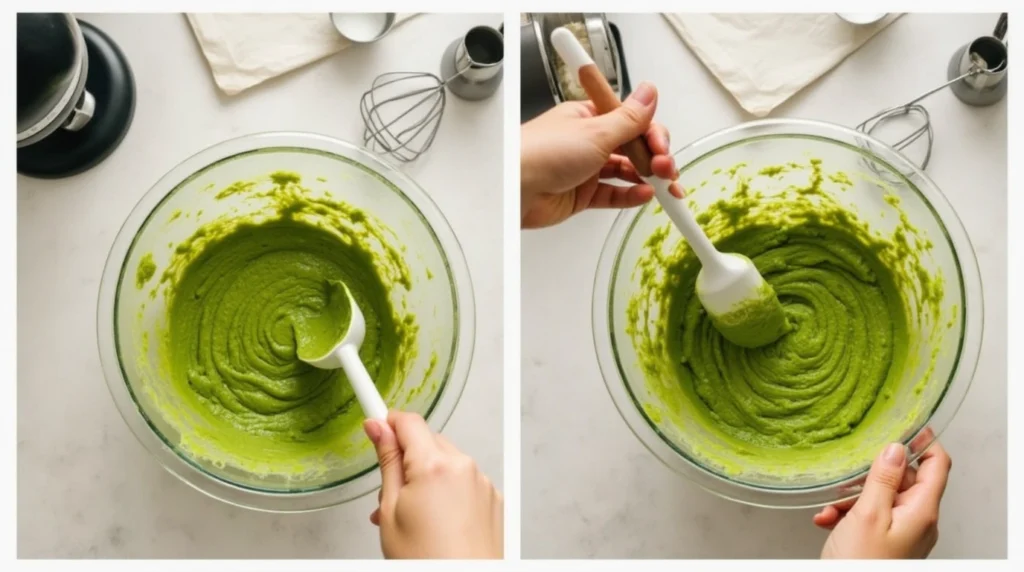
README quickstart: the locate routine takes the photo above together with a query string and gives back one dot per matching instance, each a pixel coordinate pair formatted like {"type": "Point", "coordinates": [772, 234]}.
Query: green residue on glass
{"type": "Point", "coordinates": [841, 179]}
{"type": "Point", "coordinates": [174, 216]}
{"type": "Point", "coordinates": [653, 413]}
{"type": "Point", "coordinates": [428, 384]}
{"type": "Point", "coordinates": [430, 275]}
{"type": "Point", "coordinates": [321, 179]}
{"type": "Point", "coordinates": [146, 270]}
{"type": "Point", "coordinates": [236, 188]}
{"type": "Point", "coordinates": [431, 366]}
{"type": "Point", "coordinates": [926, 378]}
{"type": "Point", "coordinates": [284, 178]}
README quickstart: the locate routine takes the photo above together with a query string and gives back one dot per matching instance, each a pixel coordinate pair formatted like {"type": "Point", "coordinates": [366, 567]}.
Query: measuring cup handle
{"type": "Point", "coordinates": [1000, 31]}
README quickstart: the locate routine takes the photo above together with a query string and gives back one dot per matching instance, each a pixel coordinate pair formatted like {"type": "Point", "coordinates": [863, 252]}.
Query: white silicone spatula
{"type": "Point", "coordinates": [741, 305]}
{"type": "Point", "coordinates": [345, 353]}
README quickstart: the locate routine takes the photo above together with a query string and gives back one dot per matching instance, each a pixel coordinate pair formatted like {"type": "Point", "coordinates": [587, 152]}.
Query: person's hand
{"type": "Point", "coordinates": [566, 152]}
{"type": "Point", "coordinates": [434, 501]}
{"type": "Point", "coordinates": [897, 514]}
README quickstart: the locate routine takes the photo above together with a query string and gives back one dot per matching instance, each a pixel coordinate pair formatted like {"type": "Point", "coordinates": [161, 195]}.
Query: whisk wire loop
{"type": "Point", "coordinates": [403, 121]}
{"type": "Point", "coordinates": [909, 110]}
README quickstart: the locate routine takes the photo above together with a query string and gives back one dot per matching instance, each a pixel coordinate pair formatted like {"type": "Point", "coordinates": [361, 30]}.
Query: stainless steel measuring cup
{"type": "Point", "coordinates": [473, 64]}
{"type": "Point", "coordinates": [989, 57]}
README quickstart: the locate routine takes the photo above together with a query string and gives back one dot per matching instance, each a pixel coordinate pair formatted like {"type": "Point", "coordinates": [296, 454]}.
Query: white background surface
{"type": "Point", "coordinates": [86, 487]}
{"type": "Point", "coordinates": [590, 489]}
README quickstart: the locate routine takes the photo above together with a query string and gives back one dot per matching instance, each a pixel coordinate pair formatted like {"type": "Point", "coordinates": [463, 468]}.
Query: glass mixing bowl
{"type": "Point", "coordinates": [862, 176]}
{"type": "Point", "coordinates": [130, 321]}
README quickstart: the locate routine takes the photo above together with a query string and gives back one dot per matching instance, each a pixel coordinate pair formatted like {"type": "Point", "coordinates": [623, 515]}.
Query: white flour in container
{"type": "Point", "coordinates": [567, 80]}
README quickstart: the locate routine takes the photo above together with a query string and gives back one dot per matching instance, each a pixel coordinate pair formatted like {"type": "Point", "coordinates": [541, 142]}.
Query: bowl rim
{"type": "Point", "coordinates": [971, 315]}
{"type": "Point", "coordinates": [363, 482]}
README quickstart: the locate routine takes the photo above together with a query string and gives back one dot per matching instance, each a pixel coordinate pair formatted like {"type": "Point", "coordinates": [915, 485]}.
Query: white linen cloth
{"type": "Point", "coordinates": [764, 59]}
{"type": "Point", "coordinates": [245, 50]}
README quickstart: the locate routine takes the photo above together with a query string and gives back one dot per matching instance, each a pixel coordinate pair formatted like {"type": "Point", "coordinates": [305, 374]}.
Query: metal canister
{"type": "Point", "coordinates": [540, 86]}
{"type": "Point", "coordinates": [52, 69]}
{"type": "Point", "coordinates": [473, 64]}
{"type": "Point", "coordinates": [990, 55]}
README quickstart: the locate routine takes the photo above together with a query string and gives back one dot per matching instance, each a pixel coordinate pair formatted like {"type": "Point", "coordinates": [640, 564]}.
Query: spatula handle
{"type": "Point", "coordinates": [605, 101]}
{"type": "Point", "coordinates": [593, 82]}
{"type": "Point", "coordinates": [366, 392]}
{"type": "Point", "coordinates": [596, 86]}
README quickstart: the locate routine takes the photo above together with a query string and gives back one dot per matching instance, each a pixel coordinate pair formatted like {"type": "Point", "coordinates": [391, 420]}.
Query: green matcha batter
{"type": "Point", "coordinates": [243, 293]}
{"type": "Point", "coordinates": [754, 323]}
{"type": "Point", "coordinates": [146, 270]}
{"type": "Point", "coordinates": [317, 335]}
{"type": "Point", "coordinates": [817, 382]}
{"type": "Point", "coordinates": [810, 397]}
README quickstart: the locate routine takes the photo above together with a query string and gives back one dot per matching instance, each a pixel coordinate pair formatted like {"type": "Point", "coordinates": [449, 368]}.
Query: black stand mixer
{"type": "Point", "coordinates": [76, 95]}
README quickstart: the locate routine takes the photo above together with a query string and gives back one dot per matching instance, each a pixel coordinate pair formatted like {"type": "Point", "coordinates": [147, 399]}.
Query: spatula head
{"type": "Point", "coordinates": [338, 322]}
{"type": "Point", "coordinates": [742, 306]}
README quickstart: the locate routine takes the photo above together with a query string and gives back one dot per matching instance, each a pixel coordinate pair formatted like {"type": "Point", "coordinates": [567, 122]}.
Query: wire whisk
{"type": "Point", "coordinates": [397, 126]}
{"type": "Point", "coordinates": [914, 111]}
{"type": "Point", "coordinates": [402, 112]}
{"type": "Point", "coordinates": [911, 110]}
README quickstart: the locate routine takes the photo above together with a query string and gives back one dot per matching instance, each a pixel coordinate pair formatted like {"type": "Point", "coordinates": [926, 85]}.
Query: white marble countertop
{"type": "Point", "coordinates": [86, 487]}
{"type": "Point", "coordinates": [589, 488]}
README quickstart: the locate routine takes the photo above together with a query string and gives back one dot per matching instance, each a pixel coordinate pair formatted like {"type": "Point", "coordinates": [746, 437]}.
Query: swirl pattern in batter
{"type": "Point", "coordinates": [820, 400]}
{"type": "Point", "coordinates": [817, 382]}
{"type": "Point", "coordinates": [241, 292]}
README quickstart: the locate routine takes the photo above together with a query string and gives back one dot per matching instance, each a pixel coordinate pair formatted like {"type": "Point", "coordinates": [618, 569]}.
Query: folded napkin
{"type": "Point", "coordinates": [247, 49]}
{"type": "Point", "coordinates": [764, 59]}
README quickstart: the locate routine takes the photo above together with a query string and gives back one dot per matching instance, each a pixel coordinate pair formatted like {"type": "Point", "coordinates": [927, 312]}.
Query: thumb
{"type": "Point", "coordinates": [389, 456]}
{"type": "Point", "coordinates": [884, 478]}
{"type": "Point", "coordinates": [628, 122]}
